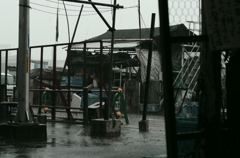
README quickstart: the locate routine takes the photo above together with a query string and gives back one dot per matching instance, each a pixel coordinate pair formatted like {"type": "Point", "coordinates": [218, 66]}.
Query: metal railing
{"type": "Point", "coordinates": [56, 87]}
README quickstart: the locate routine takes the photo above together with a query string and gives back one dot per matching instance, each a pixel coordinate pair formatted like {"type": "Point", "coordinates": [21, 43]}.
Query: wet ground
{"type": "Point", "coordinates": [74, 140]}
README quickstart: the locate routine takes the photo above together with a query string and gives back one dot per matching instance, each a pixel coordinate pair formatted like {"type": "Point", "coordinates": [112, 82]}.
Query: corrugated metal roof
{"type": "Point", "coordinates": [107, 44]}
{"type": "Point", "coordinates": [133, 33]}
{"type": "Point", "coordinates": [129, 38]}
{"type": "Point", "coordinates": [89, 45]}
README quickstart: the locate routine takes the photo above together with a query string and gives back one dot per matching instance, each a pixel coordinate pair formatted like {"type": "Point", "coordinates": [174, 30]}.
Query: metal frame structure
{"type": "Point", "coordinates": [112, 29]}
{"type": "Point", "coordinates": [56, 85]}
{"type": "Point", "coordinates": [25, 76]}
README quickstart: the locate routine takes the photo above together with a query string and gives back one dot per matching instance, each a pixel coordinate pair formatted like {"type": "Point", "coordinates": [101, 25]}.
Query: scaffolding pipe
{"type": "Point", "coordinates": [120, 77]}
{"type": "Point", "coordinates": [0, 69]}
{"type": "Point", "coordinates": [53, 113]}
{"type": "Point", "coordinates": [40, 84]}
{"type": "Point", "coordinates": [85, 106]}
{"type": "Point", "coordinates": [111, 63]}
{"type": "Point", "coordinates": [144, 116]}
{"type": "Point", "coordinates": [94, 3]}
{"type": "Point", "coordinates": [6, 65]}
{"type": "Point", "coordinates": [84, 65]}
{"type": "Point", "coordinates": [100, 77]}
{"type": "Point", "coordinates": [139, 20]}
{"type": "Point", "coordinates": [71, 42]}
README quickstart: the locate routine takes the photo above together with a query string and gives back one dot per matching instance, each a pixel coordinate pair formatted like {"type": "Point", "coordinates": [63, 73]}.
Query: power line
{"type": "Point", "coordinates": [143, 21]}
{"type": "Point", "coordinates": [75, 5]}
{"type": "Point", "coordinates": [100, 8]}
{"type": "Point", "coordinates": [59, 8]}
{"type": "Point", "coordinates": [67, 21]}
{"type": "Point", "coordinates": [144, 24]}
{"type": "Point", "coordinates": [64, 14]}
{"type": "Point", "coordinates": [77, 15]}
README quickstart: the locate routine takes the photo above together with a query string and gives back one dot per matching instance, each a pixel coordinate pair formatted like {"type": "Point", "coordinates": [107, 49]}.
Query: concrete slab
{"type": "Point", "coordinates": [24, 131]}
{"type": "Point", "coordinates": [42, 119]}
{"type": "Point", "coordinates": [108, 128]}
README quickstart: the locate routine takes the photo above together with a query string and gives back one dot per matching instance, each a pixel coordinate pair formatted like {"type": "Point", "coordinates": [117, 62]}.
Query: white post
{"type": "Point", "coordinates": [23, 63]}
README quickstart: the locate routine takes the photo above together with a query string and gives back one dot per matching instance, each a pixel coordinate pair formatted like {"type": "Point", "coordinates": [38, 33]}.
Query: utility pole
{"type": "Point", "coordinates": [23, 67]}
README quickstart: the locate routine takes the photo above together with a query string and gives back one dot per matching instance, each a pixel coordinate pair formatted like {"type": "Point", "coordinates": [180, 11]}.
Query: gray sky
{"type": "Point", "coordinates": [43, 25]}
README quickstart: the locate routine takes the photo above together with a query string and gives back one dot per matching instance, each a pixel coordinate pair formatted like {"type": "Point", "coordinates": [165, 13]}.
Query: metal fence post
{"type": "Point", "coordinates": [169, 107]}
{"type": "Point", "coordinates": [85, 106]}
{"type": "Point", "coordinates": [106, 109]}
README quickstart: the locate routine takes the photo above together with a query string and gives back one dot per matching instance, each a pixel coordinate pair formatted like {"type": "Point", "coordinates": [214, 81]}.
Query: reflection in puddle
{"type": "Point", "coordinates": [53, 143]}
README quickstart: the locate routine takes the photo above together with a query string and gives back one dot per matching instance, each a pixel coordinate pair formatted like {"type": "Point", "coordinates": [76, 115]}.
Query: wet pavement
{"type": "Point", "coordinates": [74, 140]}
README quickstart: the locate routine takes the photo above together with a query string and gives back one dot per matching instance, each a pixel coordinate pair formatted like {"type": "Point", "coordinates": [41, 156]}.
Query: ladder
{"type": "Point", "coordinates": [187, 77]}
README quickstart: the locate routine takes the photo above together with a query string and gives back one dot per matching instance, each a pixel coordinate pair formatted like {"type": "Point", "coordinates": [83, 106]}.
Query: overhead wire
{"type": "Point", "coordinates": [68, 15]}
{"type": "Point", "coordinates": [143, 21]}
{"type": "Point", "coordinates": [60, 8]}
{"type": "Point", "coordinates": [111, 7]}
{"type": "Point", "coordinates": [67, 21]}
{"type": "Point", "coordinates": [154, 42]}
{"type": "Point", "coordinates": [76, 5]}
{"type": "Point", "coordinates": [72, 10]}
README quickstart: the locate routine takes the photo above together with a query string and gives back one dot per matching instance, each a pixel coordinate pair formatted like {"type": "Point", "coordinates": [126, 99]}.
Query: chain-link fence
{"type": "Point", "coordinates": [187, 12]}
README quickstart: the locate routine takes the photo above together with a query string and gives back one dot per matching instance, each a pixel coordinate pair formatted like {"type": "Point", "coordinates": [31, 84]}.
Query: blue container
{"type": "Point", "coordinates": [74, 81]}
{"type": "Point", "coordinates": [184, 125]}
{"type": "Point", "coordinates": [91, 99]}
{"type": "Point", "coordinates": [193, 110]}
{"type": "Point", "coordinates": [104, 95]}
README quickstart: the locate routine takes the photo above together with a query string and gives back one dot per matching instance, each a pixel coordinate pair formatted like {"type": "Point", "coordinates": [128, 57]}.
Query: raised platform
{"type": "Point", "coordinates": [107, 128]}
{"type": "Point", "coordinates": [24, 131]}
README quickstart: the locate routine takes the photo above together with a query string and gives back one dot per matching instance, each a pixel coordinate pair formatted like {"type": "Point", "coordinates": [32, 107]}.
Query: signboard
{"type": "Point", "coordinates": [223, 23]}
{"type": "Point", "coordinates": [27, 64]}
